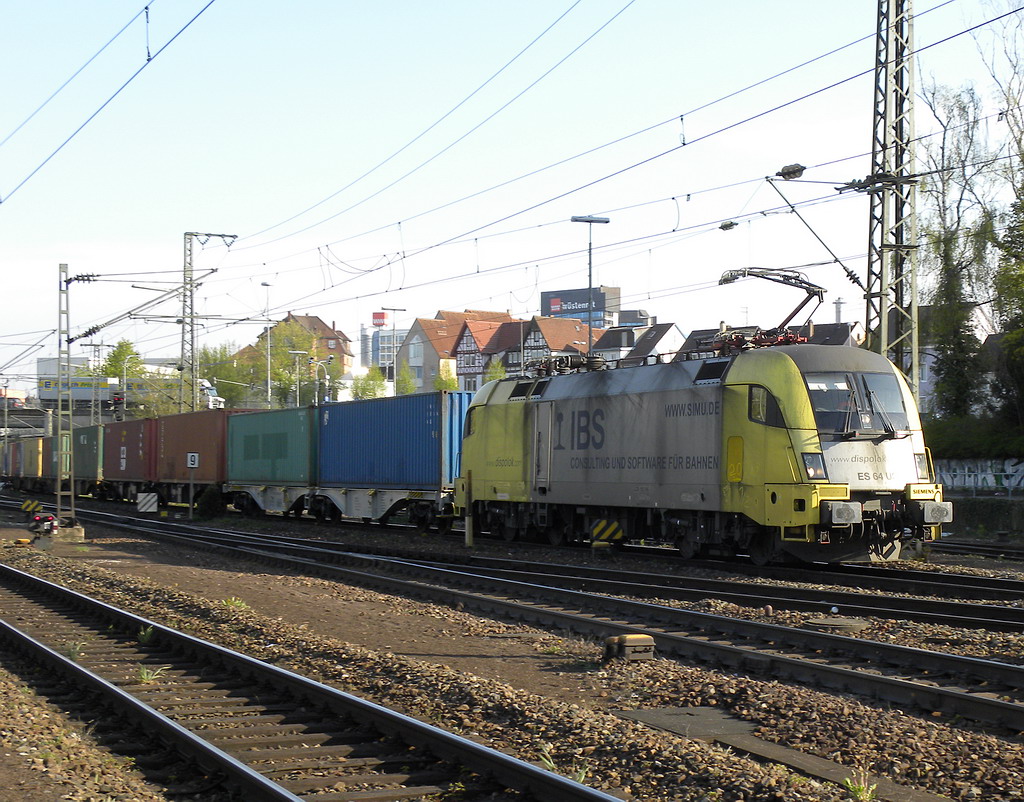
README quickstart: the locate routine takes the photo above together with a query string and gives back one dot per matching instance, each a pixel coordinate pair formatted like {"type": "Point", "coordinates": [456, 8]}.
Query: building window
{"type": "Point", "coordinates": [332, 343]}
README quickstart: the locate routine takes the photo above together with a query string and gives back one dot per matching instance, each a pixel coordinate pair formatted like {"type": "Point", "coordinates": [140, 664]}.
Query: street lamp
{"type": "Point", "coordinates": [297, 354]}
{"type": "Point", "coordinates": [266, 314]}
{"type": "Point", "coordinates": [590, 220]}
{"type": "Point", "coordinates": [327, 376]}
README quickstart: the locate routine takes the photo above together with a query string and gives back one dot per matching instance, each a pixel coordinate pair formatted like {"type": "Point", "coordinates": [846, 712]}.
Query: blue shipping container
{"type": "Point", "coordinates": [409, 442]}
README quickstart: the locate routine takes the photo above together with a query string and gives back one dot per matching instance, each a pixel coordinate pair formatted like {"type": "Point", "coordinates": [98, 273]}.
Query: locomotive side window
{"type": "Point", "coordinates": [762, 407]}
{"type": "Point", "coordinates": [521, 390]}
{"type": "Point", "coordinates": [469, 426]}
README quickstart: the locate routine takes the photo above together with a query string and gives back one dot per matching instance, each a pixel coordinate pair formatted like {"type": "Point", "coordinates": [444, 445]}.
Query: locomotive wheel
{"type": "Point", "coordinates": [509, 532]}
{"type": "Point", "coordinates": [557, 534]}
{"type": "Point", "coordinates": [761, 548]}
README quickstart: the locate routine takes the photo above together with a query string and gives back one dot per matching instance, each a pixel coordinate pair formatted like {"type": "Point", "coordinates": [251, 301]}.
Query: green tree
{"type": "Point", "coordinates": [405, 383]}
{"type": "Point", "coordinates": [122, 365]}
{"type": "Point", "coordinates": [372, 385]}
{"type": "Point", "coordinates": [290, 369]}
{"type": "Point", "coordinates": [1008, 383]}
{"type": "Point", "coordinates": [1009, 280]}
{"type": "Point", "coordinates": [237, 381]}
{"type": "Point", "coordinates": [446, 378]}
{"type": "Point", "coordinates": [495, 371]}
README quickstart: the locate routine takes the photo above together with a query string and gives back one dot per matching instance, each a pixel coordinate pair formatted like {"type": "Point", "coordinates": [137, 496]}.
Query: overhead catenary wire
{"type": "Point", "coordinates": [476, 230]}
{"type": "Point", "coordinates": [77, 72]}
{"type": "Point", "coordinates": [691, 142]}
{"type": "Point", "coordinates": [584, 153]}
{"type": "Point", "coordinates": [107, 102]}
{"type": "Point", "coordinates": [448, 147]}
{"type": "Point", "coordinates": [425, 131]}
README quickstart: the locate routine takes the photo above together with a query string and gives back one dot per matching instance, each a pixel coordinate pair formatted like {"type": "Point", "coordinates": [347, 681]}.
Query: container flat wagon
{"type": "Point", "coordinates": [190, 452]}
{"type": "Point", "coordinates": [271, 460]}
{"type": "Point", "coordinates": [383, 456]}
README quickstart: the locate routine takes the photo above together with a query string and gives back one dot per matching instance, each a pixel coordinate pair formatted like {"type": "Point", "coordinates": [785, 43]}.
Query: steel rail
{"type": "Point", "coordinates": [688, 633]}
{"type": "Point", "coordinates": [666, 586]}
{"type": "Point", "coordinates": [899, 580]}
{"type": "Point", "coordinates": [511, 771]}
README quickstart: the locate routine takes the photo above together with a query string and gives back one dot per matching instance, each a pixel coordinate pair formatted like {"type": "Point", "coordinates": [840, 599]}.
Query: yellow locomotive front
{"type": "Point", "coordinates": [825, 457]}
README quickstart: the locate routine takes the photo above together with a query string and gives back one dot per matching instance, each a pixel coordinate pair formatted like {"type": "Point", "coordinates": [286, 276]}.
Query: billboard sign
{"type": "Point", "coordinates": [572, 303]}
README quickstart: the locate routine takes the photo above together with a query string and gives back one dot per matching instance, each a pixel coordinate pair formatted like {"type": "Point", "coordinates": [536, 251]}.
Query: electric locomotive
{"type": "Point", "coordinates": [800, 451]}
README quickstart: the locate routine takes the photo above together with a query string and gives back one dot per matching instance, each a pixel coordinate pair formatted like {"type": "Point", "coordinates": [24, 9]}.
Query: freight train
{"type": "Point", "coordinates": [804, 452]}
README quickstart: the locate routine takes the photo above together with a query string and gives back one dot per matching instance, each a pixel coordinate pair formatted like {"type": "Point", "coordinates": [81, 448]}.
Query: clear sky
{"type": "Point", "coordinates": [429, 155]}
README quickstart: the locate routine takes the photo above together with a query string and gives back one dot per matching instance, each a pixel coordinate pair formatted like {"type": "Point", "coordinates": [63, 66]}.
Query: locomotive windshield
{"type": "Point", "coordinates": [853, 403]}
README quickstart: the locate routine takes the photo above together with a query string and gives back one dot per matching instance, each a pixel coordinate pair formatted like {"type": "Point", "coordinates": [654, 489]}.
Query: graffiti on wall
{"type": "Point", "coordinates": [981, 475]}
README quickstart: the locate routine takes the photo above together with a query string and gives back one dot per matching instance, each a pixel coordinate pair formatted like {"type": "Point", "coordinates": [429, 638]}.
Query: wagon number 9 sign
{"type": "Point", "coordinates": [192, 459]}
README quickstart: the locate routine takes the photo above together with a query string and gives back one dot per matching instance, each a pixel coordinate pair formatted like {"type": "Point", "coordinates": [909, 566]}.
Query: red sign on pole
{"type": "Point", "coordinates": [380, 319]}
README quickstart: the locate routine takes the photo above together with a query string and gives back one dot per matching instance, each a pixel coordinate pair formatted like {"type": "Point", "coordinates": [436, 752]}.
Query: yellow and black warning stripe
{"type": "Point", "coordinates": [606, 529]}
{"type": "Point", "coordinates": [31, 506]}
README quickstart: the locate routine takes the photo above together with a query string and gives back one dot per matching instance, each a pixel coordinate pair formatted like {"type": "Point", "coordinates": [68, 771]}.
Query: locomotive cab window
{"type": "Point", "coordinates": [762, 407]}
{"type": "Point", "coordinates": [852, 403]}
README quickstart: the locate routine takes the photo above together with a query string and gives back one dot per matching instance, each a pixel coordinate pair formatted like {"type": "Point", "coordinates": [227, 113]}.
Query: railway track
{"type": "Point", "coordinates": [979, 690]}
{"type": "Point", "coordinates": [255, 730]}
{"type": "Point", "coordinates": [996, 550]}
{"type": "Point", "coordinates": [686, 588]}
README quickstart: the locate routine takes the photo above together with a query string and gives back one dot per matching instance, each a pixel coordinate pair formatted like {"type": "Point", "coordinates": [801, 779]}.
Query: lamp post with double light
{"type": "Point", "coordinates": [266, 314]}
{"type": "Point", "coordinates": [394, 348]}
{"type": "Point", "coordinates": [590, 220]}
{"type": "Point", "coordinates": [318, 363]}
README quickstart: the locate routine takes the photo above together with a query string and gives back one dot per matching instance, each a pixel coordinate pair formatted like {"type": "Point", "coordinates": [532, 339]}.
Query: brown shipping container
{"type": "Point", "coordinates": [203, 433]}
{"type": "Point", "coordinates": [48, 465]}
{"type": "Point", "coordinates": [128, 451]}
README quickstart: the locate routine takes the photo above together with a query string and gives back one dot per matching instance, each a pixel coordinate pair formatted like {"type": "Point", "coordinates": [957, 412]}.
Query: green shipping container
{"type": "Point", "coordinates": [88, 453]}
{"type": "Point", "coordinates": [277, 447]}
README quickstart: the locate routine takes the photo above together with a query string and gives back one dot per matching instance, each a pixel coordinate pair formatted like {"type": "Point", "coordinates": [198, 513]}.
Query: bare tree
{"type": "Point", "coordinates": [957, 193]}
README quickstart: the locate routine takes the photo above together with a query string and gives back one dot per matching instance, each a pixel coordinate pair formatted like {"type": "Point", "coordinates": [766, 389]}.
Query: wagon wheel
{"type": "Point", "coordinates": [444, 518]}
{"type": "Point", "coordinates": [421, 521]}
{"type": "Point", "coordinates": [687, 547]}
{"type": "Point", "coordinates": [558, 533]}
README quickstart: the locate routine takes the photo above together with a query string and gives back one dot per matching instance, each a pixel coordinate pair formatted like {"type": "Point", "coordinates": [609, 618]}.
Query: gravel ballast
{"type": "Point", "coordinates": [577, 726]}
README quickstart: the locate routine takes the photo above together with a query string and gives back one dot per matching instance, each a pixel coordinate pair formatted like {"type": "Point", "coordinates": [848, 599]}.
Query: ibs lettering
{"type": "Point", "coordinates": [583, 431]}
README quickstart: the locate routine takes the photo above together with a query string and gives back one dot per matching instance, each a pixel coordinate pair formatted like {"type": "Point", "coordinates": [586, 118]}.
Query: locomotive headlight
{"type": "Point", "coordinates": [814, 466]}
{"type": "Point", "coordinates": [922, 467]}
